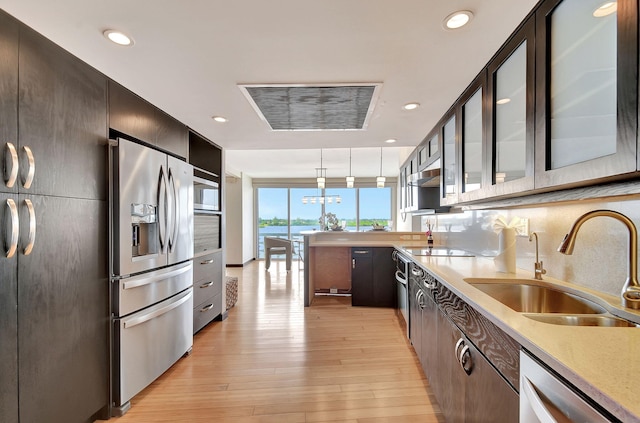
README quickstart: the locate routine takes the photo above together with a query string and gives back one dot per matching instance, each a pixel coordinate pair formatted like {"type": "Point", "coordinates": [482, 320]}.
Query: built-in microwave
{"type": "Point", "coordinates": [206, 193]}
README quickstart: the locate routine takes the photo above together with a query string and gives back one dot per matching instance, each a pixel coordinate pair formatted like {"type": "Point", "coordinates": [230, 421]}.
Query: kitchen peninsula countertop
{"type": "Point", "coordinates": [603, 362]}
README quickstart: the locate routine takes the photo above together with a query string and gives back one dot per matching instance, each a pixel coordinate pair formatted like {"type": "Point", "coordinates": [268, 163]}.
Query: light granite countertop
{"type": "Point", "coordinates": [603, 362]}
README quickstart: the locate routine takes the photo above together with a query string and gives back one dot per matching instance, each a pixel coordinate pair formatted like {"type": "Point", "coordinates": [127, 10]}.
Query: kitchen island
{"type": "Point", "coordinates": [319, 247]}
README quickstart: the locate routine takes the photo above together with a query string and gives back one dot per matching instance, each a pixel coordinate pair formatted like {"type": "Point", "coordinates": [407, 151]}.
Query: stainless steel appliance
{"type": "Point", "coordinates": [151, 196]}
{"type": "Point", "coordinates": [402, 278]}
{"type": "Point", "coordinates": [206, 205]}
{"type": "Point", "coordinates": [544, 398]}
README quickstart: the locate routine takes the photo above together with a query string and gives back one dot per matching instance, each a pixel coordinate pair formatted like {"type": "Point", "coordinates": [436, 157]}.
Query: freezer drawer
{"type": "Point", "coordinates": [138, 292]}
{"type": "Point", "coordinates": [150, 341]}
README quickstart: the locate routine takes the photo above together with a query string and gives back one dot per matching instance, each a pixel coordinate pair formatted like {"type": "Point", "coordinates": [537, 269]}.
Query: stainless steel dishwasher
{"type": "Point", "coordinates": [544, 398]}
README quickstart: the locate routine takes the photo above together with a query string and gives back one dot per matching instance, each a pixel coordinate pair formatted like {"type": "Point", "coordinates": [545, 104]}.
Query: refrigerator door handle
{"type": "Point", "coordinates": [32, 227]}
{"type": "Point", "coordinates": [175, 214]}
{"type": "Point", "coordinates": [13, 242]}
{"type": "Point", "coordinates": [162, 204]}
{"type": "Point", "coordinates": [11, 162]}
{"type": "Point", "coordinates": [27, 180]}
{"type": "Point", "coordinates": [138, 281]}
{"type": "Point", "coordinates": [129, 323]}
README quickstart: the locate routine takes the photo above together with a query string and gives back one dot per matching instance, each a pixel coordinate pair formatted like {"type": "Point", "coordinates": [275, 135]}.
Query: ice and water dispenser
{"type": "Point", "coordinates": [144, 230]}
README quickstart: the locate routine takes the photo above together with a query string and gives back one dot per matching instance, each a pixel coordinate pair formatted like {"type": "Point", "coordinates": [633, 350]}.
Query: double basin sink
{"type": "Point", "coordinates": [546, 303]}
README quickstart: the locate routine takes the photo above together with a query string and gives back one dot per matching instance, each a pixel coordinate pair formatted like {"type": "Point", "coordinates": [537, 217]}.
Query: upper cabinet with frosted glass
{"type": "Point", "coordinates": [472, 134]}
{"type": "Point", "coordinates": [450, 161]}
{"type": "Point", "coordinates": [586, 91]}
{"type": "Point", "coordinates": [511, 114]}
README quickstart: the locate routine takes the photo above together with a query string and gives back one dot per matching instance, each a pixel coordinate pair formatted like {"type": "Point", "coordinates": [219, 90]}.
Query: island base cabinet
{"type": "Point", "coordinates": [467, 387]}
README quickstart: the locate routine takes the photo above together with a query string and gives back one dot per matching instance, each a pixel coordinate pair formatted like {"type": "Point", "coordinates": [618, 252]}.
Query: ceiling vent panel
{"type": "Point", "coordinates": [340, 107]}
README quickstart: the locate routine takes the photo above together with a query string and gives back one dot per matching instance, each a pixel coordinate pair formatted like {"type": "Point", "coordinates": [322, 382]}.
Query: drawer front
{"type": "Point", "coordinates": [207, 267]}
{"type": "Point", "coordinates": [206, 288]}
{"type": "Point", "coordinates": [206, 312]}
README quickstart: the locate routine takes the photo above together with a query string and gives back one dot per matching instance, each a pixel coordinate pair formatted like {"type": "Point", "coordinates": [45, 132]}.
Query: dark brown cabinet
{"type": "Point", "coordinates": [63, 311]}
{"type": "Point", "coordinates": [472, 366]}
{"type": "Point", "coordinates": [132, 116]}
{"type": "Point", "coordinates": [9, 30]}
{"type": "Point", "coordinates": [54, 329]}
{"type": "Point", "coordinates": [62, 120]}
{"type": "Point", "coordinates": [373, 277]}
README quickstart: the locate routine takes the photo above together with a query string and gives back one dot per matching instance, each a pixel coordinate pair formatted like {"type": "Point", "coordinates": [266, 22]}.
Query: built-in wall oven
{"type": "Point", "coordinates": [402, 287]}
{"type": "Point", "coordinates": [206, 212]}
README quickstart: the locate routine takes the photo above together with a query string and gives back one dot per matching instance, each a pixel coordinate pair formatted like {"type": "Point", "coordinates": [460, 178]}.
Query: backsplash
{"type": "Point", "coordinates": [600, 257]}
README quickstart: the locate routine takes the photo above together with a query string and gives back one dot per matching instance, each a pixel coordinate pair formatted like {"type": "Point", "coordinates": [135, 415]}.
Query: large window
{"type": "Point", "coordinates": [282, 213]}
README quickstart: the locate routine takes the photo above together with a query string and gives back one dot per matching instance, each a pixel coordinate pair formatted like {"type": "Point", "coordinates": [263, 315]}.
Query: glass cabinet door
{"type": "Point", "coordinates": [449, 175]}
{"type": "Point", "coordinates": [472, 140]}
{"type": "Point", "coordinates": [511, 124]}
{"type": "Point", "coordinates": [587, 111]}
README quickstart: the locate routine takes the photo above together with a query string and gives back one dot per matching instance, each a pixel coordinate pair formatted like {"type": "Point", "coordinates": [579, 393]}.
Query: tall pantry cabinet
{"type": "Point", "coordinates": [53, 208]}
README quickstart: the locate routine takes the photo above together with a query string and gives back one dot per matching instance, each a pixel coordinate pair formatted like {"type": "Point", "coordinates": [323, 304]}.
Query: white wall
{"type": "Point", "coordinates": [239, 219]}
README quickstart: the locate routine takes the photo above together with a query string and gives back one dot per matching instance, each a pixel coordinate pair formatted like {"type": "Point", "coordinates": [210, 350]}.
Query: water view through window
{"type": "Point", "coordinates": [282, 213]}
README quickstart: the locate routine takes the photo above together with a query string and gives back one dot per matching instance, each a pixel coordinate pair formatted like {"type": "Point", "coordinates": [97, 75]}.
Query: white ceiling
{"type": "Point", "coordinates": [189, 57]}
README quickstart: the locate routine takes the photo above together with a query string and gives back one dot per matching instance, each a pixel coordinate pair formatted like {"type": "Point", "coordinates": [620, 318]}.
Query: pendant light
{"type": "Point", "coordinates": [380, 179]}
{"type": "Point", "coordinates": [321, 174]}
{"type": "Point", "coordinates": [350, 179]}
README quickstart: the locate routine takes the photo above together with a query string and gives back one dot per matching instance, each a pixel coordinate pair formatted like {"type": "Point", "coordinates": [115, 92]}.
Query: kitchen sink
{"type": "Point", "coordinates": [527, 296]}
{"type": "Point", "coordinates": [582, 320]}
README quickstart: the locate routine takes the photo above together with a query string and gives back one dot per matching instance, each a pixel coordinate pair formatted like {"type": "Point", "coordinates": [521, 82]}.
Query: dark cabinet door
{"type": "Point", "coordinates": [450, 378]}
{"type": "Point", "coordinates": [362, 277]}
{"type": "Point", "coordinates": [8, 96]}
{"type": "Point", "coordinates": [8, 317]}
{"type": "Point", "coordinates": [63, 310]}
{"type": "Point", "coordinates": [415, 314]}
{"type": "Point", "coordinates": [131, 115]}
{"type": "Point", "coordinates": [429, 348]}
{"type": "Point", "coordinates": [488, 397]}
{"type": "Point", "coordinates": [62, 119]}
{"type": "Point", "coordinates": [384, 282]}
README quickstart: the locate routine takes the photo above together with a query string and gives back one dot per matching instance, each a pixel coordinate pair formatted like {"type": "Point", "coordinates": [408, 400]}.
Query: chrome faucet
{"type": "Point", "coordinates": [631, 289]}
{"type": "Point", "coordinates": [539, 270]}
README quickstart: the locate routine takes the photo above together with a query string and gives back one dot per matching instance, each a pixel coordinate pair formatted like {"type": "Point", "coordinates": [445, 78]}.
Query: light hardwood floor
{"type": "Point", "coordinates": [273, 361]}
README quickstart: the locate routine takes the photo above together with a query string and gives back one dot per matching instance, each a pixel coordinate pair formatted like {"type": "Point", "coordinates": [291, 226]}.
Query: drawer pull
{"type": "Point", "coordinates": [206, 308]}
{"type": "Point", "coordinates": [207, 261]}
{"type": "Point", "coordinates": [206, 285]}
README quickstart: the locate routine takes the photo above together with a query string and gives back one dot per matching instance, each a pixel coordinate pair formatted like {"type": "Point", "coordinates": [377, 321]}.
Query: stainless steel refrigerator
{"type": "Point", "coordinates": [151, 270]}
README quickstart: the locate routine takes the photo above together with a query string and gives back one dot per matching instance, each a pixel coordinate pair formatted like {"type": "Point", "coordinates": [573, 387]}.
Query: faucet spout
{"type": "Point", "coordinates": [539, 269]}
{"type": "Point", "coordinates": [631, 289]}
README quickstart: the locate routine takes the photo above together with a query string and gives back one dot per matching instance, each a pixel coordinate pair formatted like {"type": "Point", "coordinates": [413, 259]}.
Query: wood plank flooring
{"type": "Point", "coordinates": [273, 361]}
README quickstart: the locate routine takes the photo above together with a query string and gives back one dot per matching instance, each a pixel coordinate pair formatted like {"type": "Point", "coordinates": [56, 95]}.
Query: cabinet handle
{"type": "Point", "coordinates": [465, 360]}
{"type": "Point", "coordinates": [206, 308]}
{"type": "Point", "coordinates": [31, 163]}
{"type": "Point", "coordinates": [353, 263]}
{"type": "Point", "coordinates": [32, 227]}
{"type": "Point", "coordinates": [421, 303]}
{"type": "Point", "coordinates": [206, 285]}
{"type": "Point", "coordinates": [207, 261]}
{"type": "Point", "coordinates": [394, 255]}
{"type": "Point", "coordinates": [459, 345]}
{"type": "Point", "coordinates": [13, 242]}
{"type": "Point", "coordinates": [10, 165]}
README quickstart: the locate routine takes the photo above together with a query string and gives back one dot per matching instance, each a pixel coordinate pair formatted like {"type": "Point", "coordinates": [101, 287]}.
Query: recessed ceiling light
{"type": "Point", "coordinates": [457, 19]}
{"type": "Point", "coordinates": [220, 119]}
{"type": "Point", "coordinates": [390, 140]}
{"type": "Point", "coordinates": [118, 37]}
{"type": "Point", "coordinates": [503, 101]}
{"type": "Point", "coordinates": [411, 106]}
{"type": "Point", "coordinates": [606, 9]}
